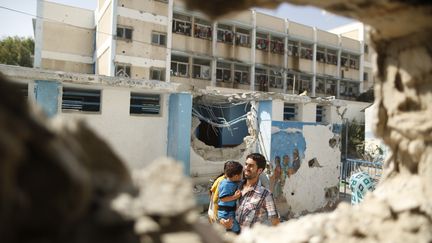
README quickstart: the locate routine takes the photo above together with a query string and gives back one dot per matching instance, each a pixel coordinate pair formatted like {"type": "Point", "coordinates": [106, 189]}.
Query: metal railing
{"type": "Point", "coordinates": [351, 166]}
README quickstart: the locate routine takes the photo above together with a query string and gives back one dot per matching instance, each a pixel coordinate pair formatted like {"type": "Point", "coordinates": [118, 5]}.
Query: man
{"type": "Point", "coordinates": [256, 203]}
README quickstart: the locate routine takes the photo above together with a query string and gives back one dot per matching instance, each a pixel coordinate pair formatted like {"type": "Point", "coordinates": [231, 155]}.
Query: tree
{"type": "Point", "coordinates": [17, 51]}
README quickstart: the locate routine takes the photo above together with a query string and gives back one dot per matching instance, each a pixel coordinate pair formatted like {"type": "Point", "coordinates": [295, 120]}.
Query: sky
{"type": "Point", "coordinates": [13, 23]}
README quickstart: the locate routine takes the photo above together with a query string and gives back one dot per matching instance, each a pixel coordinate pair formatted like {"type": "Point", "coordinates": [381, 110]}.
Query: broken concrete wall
{"type": "Point", "coordinates": [305, 158]}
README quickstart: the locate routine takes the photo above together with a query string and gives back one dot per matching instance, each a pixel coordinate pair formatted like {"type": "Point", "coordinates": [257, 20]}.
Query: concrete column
{"type": "Point", "coordinates": [338, 76]}
{"type": "Point", "coordinates": [285, 72]}
{"type": "Point", "coordinates": [314, 63]}
{"type": "Point", "coordinates": [214, 54]}
{"type": "Point", "coordinates": [253, 51]}
{"type": "Point", "coordinates": [361, 66]}
{"type": "Point", "coordinates": [264, 124]}
{"type": "Point", "coordinates": [37, 61]}
{"type": "Point", "coordinates": [113, 33]}
{"type": "Point", "coordinates": [47, 95]}
{"type": "Point", "coordinates": [179, 128]}
{"type": "Point", "coordinates": [169, 42]}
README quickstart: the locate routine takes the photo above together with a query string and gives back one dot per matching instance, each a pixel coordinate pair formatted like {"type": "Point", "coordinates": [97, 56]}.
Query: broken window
{"type": "Point", "coordinates": [225, 33]}
{"type": "Point", "coordinates": [306, 51]}
{"type": "Point", "coordinates": [275, 79]}
{"type": "Point", "coordinates": [320, 113]}
{"type": "Point", "coordinates": [293, 47]}
{"type": "Point", "coordinates": [202, 29]}
{"type": "Point", "coordinates": [262, 42]}
{"type": "Point", "coordinates": [242, 37]}
{"type": "Point", "coordinates": [182, 24]}
{"type": "Point", "coordinates": [290, 112]}
{"type": "Point", "coordinates": [157, 74]}
{"type": "Point", "coordinates": [124, 33]}
{"type": "Point", "coordinates": [179, 66]}
{"type": "Point", "coordinates": [223, 72]}
{"type": "Point", "coordinates": [144, 104]}
{"type": "Point", "coordinates": [76, 99]}
{"type": "Point", "coordinates": [159, 38]}
{"type": "Point", "coordinates": [320, 56]}
{"type": "Point", "coordinates": [201, 68]}
{"type": "Point", "coordinates": [122, 70]}
{"type": "Point", "coordinates": [223, 125]}
{"type": "Point", "coordinates": [277, 45]}
{"type": "Point", "coordinates": [241, 74]}
{"type": "Point", "coordinates": [331, 56]}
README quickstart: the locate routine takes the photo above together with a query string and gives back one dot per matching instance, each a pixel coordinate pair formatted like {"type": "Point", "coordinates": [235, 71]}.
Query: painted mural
{"type": "Point", "coordinates": [288, 146]}
{"type": "Point", "coordinates": [304, 166]}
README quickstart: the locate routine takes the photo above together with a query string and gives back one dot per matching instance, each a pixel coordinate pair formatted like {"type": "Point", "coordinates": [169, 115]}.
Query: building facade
{"type": "Point", "coordinates": [162, 40]}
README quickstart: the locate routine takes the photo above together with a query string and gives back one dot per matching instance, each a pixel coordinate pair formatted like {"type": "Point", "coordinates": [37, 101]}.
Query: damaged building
{"type": "Point", "coordinates": [157, 79]}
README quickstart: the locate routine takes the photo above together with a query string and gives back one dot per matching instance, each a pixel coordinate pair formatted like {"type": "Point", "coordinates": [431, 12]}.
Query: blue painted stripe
{"type": "Point", "coordinates": [47, 96]}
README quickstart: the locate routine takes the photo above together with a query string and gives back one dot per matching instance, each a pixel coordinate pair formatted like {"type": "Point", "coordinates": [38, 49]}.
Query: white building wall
{"type": "Point", "coordinates": [138, 140]}
{"type": "Point", "coordinates": [355, 110]}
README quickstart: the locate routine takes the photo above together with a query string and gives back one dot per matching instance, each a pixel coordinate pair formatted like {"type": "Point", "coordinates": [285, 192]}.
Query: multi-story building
{"type": "Point", "coordinates": [162, 40]}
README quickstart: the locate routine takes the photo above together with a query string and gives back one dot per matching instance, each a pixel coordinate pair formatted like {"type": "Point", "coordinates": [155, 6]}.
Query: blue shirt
{"type": "Point", "coordinates": [227, 188]}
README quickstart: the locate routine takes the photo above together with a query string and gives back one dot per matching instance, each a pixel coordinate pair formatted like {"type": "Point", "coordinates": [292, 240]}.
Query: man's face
{"type": "Point", "coordinates": [251, 169]}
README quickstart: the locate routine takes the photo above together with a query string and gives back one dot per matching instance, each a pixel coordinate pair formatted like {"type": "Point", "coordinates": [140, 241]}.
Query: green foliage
{"type": "Point", "coordinates": [356, 133]}
{"type": "Point", "coordinates": [17, 51]}
{"type": "Point", "coordinates": [367, 96]}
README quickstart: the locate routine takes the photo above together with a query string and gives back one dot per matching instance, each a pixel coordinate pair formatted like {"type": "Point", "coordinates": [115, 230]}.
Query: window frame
{"type": "Point", "coordinates": [134, 96]}
{"type": "Point", "coordinates": [159, 35]}
{"type": "Point", "coordinates": [179, 21]}
{"type": "Point", "coordinates": [161, 72]}
{"type": "Point", "coordinates": [123, 35]}
{"type": "Point", "coordinates": [88, 97]}
{"type": "Point", "coordinates": [290, 112]}
{"type": "Point", "coordinates": [126, 67]}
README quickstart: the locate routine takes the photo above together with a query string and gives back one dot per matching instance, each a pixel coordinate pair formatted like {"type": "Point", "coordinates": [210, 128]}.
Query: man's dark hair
{"type": "Point", "coordinates": [233, 168]}
{"type": "Point", "coordinates": [259, 159]}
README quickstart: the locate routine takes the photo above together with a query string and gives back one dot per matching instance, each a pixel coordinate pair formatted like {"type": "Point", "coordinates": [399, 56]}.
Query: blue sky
{"type": "Point", "coordinates": [13, 23]}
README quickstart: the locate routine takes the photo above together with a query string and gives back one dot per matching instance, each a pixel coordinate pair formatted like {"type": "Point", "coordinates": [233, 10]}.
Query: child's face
{"type": "Point", "coordinates": [236, 177]}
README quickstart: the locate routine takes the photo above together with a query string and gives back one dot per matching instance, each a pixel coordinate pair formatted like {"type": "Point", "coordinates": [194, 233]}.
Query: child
{"type": "Point", "coordinates": [229, 193]}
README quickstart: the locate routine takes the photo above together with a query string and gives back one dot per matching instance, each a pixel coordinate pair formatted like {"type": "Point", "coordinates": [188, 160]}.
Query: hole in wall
{"type": "Point", "coordinates": [332, 142]}
{"type": "Point", "coordinates": [313, 163]}
{"type": "Point", "coordinates": [398, 82]}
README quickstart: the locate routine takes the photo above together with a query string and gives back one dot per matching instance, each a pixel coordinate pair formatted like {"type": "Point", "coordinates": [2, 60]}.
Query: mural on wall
{"type": "Point", "coordinates": [288, 146]}
{"type": "Point", "coordinates": [304, 166]}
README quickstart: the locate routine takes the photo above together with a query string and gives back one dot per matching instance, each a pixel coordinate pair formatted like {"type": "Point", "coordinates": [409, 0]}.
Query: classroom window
{"type": "Point", "coordinates": [306, 51]}
{"type": "Point", "coordinates": [293, 47]}
{"type": "Point", "coordinates": [159, 39]}
{"type": "Point", "coordinates": [275, 79]}
{"type": "Point", "coordinates": [122, 70]}
{"type": "Point", "coordinates": [320, 113]}
{"type": "Point", "coordinates": [277, 45]}
{"type": "Point", "coordinates": [262, 42]}
{"type": "Point", "coordinates": [225, 33]}
{"type": "Point", "coordinates": [331, 56]}
{"type": "Point", "coordinates": [124, 33]}
{"type": "Point", "coordinates": [76, 99]}
{"type": "Point", "coordinates": [182, 24]}
{"type": "Point", "coordinates": [242, 37]}
{"type": "Point", "coordinates": [290, 112]}
{"type": "Point", "coordinates": [157, 74]}
{"type": "Point", "coordinates": [144, 104]}
{"type": "Point", "coordinates": [241, 74]}
{"type": "Point", "coordinates": [223, 72]}
{"type": "Point", "coordinates": [202, 29]}
{"type": "Point", "coordinates": [179, 66]}
{"type": "Point", "coordinates": [201, 68]}
{"type": "Point", "coordinates": [320, 56]}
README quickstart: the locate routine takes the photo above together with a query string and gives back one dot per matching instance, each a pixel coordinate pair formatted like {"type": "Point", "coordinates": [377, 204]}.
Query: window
{"type": "Point", "coordinates": [277, 45]}
{"type": "Point", "coordinates": [261, 79]}
{"type": "Point", "coordinates": [293, 48]}
{"type": "Point", "coordinates": [182, 24]}
{"type": "Point", "coordinates": [290, 83]}
{"type": "Point", "coordinates": [225, 33]}
{"type": "Point", "coordinates": [202, 29]}
{"type": "Point", "coordinates": [320, 113]}
{"type": "Point", "coordinates": [241, 74]}
{"type": "Point", "coordinates": [201, 68]}
{"type": "Point", "coordinates": [262, 42]}
{"type": "Point", "coordinates": [305, 84]}
{"type": "Point", "coordinates": [144, 104]}
{"type": "Point", "coordinates": [320, 86]}
{"type": "Point", "coordinates": [124, 33]}
{"type": "Point", "coordinates": [157, 74]}
{"type": "Point", "coordinates": [159, 38]}
{"type": "Point", "coordinates": [331, 87]}
{"type": "Point", "coordinates": [75, 99]}
{"type": "Point", "coordinates": [122, 70]}
{"type": "Point", "coordinates": [242, 37]}
{"type": "Point", "coordinates": [179, 66]}
{"type": "Point", "coordinates": [344, 59]}
{"type": "Point", "coordinates": [366, 48]}
{"type": "Point", "coordinates": [320, 56]}
{"type": "Point", "coordinates": [366, 76]}
{"type": "Point", "coordinates": [275, 79]}
{"type": "Point", "coordinates": [306, 51]}
{"type": "Point", "coordinates": [332, 57]}
{"type": "Point", "coordinates": [290, 112]}
{"type": "Point", "coordinates": [354, 61]}
{"type": "Point", "coordinates": [223, 72]}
